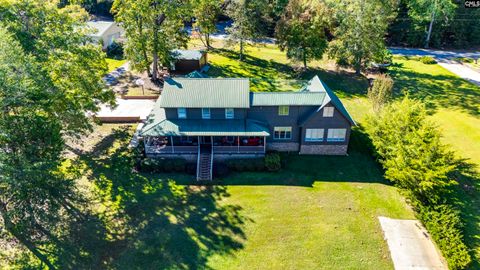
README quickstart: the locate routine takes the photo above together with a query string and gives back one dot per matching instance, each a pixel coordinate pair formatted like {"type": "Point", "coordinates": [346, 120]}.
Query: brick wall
{"type": "Point", "coordinates": [323, 149]}
{"type": "Point", "coordinates": [283, 146]}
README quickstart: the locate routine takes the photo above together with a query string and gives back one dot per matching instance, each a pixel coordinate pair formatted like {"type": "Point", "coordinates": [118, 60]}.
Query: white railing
{"type": "Point", "coordinates": [170, 149]}
{"type": "Point", "coordinates": [211, 164]}
{"type": "Point", "coordinates": [238, 149]}
{"type": "Point", "coordinates": [198, 163]}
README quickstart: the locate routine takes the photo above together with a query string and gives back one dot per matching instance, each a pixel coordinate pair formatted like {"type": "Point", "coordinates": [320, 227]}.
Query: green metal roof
{"type": "Point", "coordinates": [196, 75]}
{"type": "Point", "coordinates": [199, 127]}
{"type": "Point", "coordinates": [286, 98]}
{"type": "Point", "coordinates": [187, 54]}
{"type": "Point", "coordinates": [205, 93]}
{"type": "Point", "coordinates": [158, 125]}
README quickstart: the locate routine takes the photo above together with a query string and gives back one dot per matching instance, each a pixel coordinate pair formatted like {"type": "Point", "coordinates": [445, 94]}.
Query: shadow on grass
{"type": "Point", "coordinates": [270, 75]}
{"type": "Point", "coordinates": [153, 222]}
{"type": "Point", "coordinates": [358, 166]}
{"type": "Point", "coordinates": [437, 90]}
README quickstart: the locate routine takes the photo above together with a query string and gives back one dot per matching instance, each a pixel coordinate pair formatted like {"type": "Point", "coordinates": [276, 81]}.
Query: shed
{"type": "Point", "coordinates": [105, 32]}
{"type": "Point", "coordinates": [187, 61]}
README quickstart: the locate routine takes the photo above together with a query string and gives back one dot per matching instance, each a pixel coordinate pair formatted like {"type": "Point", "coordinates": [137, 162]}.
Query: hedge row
{"type": "Point", "coordinates": [271, 162]}
{"type": "Point", "coordinates": [445, 226]}
{"type": "Point", "coordinates": [163, 165]}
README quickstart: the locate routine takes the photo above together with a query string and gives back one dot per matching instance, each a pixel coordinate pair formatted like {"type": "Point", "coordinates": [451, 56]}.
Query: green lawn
{"type": "Point", "coordinates": [298, 218]}
{"type": "Point", "coordinates": [114, 64]}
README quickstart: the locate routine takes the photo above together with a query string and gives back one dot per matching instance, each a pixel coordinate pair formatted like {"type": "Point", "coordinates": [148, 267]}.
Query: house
{"type": "Point", "coordinates": [105, 32]}
{"type": "Point", "coordinates": [206, 119]}
{"type": "Point", "coordinates": [187, 61]}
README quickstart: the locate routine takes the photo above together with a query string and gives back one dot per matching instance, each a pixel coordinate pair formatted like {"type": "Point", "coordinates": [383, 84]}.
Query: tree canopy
{"type": "Point", "coordinates": [301, 30]}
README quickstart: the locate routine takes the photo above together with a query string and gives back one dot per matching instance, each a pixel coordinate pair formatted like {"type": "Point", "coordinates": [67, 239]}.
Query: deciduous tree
{"type": "Point", "coordinates": [153, 29]}
{"type": "Point", "coordinates": [301, 30]}
{"type": "Point", "coordinates": [206, 13]}
{"type": "Point", "coordinates": [359, 37]}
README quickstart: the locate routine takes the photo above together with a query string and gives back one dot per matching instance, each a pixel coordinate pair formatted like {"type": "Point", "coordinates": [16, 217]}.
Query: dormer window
{"type": "Point", "coordinates": [205, 113]}
{"type": "Point", "coordinates": [283, 110]}
{"type": "Point", "coordinates": [182, 113]}
{"type": "Point", "coordinates": [229, 113]}
{"type": "Point", "coordinates": [328, 111]}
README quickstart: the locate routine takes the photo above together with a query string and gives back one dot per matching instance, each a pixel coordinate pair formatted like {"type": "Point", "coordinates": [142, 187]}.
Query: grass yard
{"type": "Point", "coordinates": [298, 218]}
{"type": "Point", "coordinates": [114, 64]}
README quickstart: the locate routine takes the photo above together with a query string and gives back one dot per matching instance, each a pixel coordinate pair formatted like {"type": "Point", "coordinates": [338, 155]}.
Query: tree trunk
{"type": "Point", "coordinates": [305, 60]}
{"type": "Point", "coordinates": [241, 49]}
{"type": "Point", "coordinates": [207, 40]}
{"type": "Point", "coordinates": [358, 67]}
{"type": "Point", "coordinates": [429, 33]}
{"type": "Point", "coordinates": [29, 245]}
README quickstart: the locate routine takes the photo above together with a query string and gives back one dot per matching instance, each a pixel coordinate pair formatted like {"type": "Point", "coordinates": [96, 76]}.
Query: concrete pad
{"type": "Point", "coordinates": [410, 245]}
{"type": "Point", "coordinates": [127, 108]}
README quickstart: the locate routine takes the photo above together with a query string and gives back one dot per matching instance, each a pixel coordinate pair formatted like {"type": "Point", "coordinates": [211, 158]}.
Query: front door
{"type": "Point", "coordinates": [206, 140]}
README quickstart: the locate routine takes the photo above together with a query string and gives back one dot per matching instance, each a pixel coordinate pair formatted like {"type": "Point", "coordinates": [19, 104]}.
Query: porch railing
{"type": "Point", "coordinates": [238, 149]}
{"type": "Point", "coordinates": [171, 150]}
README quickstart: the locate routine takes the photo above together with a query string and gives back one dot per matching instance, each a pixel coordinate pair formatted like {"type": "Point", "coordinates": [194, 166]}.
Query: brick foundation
{"type": "Point", "coordinates": [283, 146]}
{"type": "Point", "coordinates": [323, 149]}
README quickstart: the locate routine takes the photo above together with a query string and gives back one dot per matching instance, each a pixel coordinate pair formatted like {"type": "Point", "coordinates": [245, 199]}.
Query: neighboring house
{"type": "Point", "coordinates": [206, 119]}
{"type": "Point", "coordinates": [187, 61]}
{"type": "Point", "coordinates": [105, 32]}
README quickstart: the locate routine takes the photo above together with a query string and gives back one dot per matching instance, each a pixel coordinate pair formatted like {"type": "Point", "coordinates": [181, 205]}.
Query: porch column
{"type": "Point", "coordinates": [238, 144]}
{"type": "Point", "coordinates": [171, 140]}
{"type": "Point", "coordinates": [264, 144]}
{"type": "Point", "coordinates": [211, 140]}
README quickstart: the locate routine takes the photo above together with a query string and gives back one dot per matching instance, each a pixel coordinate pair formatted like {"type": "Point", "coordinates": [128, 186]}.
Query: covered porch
{"type": "Point", "coordinates": [218, 144]}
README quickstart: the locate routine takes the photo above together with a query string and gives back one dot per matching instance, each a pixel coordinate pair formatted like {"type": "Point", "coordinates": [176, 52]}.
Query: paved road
{"type": "Point", "coordinates": [410, 245]}
{"type": "Point", "coordinates": [438, 54]}
{"type": "Point", "coordinates": [444, 59]}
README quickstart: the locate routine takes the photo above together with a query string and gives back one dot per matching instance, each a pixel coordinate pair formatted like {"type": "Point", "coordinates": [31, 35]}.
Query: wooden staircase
{"type": "Point", "coordinates": [205, 163]}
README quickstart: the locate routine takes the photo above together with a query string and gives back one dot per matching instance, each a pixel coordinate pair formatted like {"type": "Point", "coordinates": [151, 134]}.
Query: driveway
{"type": "Point", "coordinates": [444, 59]}
{"type": "Point", "coordinates": [410, 245]}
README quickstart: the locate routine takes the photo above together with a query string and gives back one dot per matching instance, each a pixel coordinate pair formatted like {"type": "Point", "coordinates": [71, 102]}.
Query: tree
{"type": "Point", "coordinates": [206, 12]}
{"type": "Point", "coordinates": [410, 151]}
{"type": "Point", "coordinates": [246, 16]}
{"type": "Point", "coordinates": [359, 36]}
{"type": "Point", "coordinates": [301, 30]}
{"type": "Point", "coordinates": [381, 92]}
{"type": "Point", "coordinates": [153, 29]}
{"type": "Point", "coordinates": [429, 11]}
{"type": "Point", "coordinates": [50, 78]}
{"type": "Point", "coordinates": [71, 68]}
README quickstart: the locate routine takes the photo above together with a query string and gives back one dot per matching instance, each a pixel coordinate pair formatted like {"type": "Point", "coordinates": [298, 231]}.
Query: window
{"type": "Point", "coordinates": [229, 113]}
{"type": "Point", "coordinates": [282, 133]}
{"type": "Point", "coordinates": [283, 110]}
{"type": "Point", "coordinates": [328, 111]}
{"type": "Point", "coordinates": [206, 113]}
{"type": "Point", "coordinates": [314, 134]}
{"type": "Point", "coordinates": [336, 135]}
{"type": "Point", "coordinates": [182, 113]}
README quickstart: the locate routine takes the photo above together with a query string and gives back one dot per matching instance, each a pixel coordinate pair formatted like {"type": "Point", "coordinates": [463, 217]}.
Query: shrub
{"type": "Point", "coordinates": [152, 165]}
{"type": "Point", "coordinates": [273, 162]}
{"type": "Point", "coordinates": [445, 226]}
{"type": "Point", "coordinates": [220, 170]}
{"type": "Point", "coordinates": [191, 168]}
{"type": "Point", "coordinates": [247, 164]}
{"type": "Point", "coordinates": [464, 59]}
{"type": "Point", "coordinates": [428, 60]}
{"type": "Point", "coordinates": [381, 91]}
{"type": "Point", "coordinates": [115, 50]}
